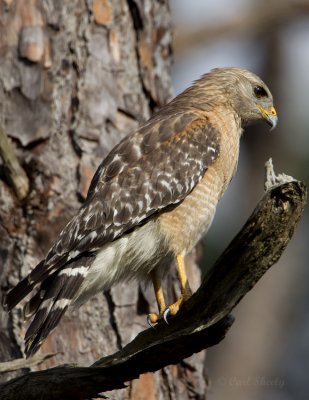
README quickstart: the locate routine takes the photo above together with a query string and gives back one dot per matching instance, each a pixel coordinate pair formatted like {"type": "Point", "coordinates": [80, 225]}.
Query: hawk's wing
{"type": "Point", "coordinates": [150, 170]}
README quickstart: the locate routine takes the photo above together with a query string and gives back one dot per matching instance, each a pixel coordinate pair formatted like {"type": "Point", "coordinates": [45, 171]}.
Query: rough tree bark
{"type": "Point", "coordinates": [75, 77]}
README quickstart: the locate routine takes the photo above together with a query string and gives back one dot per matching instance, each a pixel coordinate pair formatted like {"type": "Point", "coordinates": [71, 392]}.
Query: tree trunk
{"type": "Point", "coordinates": [75, 78]}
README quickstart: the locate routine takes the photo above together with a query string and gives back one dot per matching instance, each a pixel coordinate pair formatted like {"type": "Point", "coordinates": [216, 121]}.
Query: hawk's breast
{"type": "Point", "coordinates": [185, 225]}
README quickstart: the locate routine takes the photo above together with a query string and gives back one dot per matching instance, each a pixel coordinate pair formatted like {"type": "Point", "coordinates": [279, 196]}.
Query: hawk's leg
{"type": "Point", "coordinates": [184, 287]}
{"type": "Point", "coordinates": [153, 317]}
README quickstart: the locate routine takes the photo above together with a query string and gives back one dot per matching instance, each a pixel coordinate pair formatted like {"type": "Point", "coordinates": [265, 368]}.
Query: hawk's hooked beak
{"type": "Point", "coordinates": [270, 115]}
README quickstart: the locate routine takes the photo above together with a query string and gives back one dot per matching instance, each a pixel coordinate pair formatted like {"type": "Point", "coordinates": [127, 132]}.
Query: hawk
{"type": "Point", "coordinates": [150, 201]}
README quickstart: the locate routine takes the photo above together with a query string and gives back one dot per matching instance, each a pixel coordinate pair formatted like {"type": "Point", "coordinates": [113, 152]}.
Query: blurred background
{"type": "Point", "coordinates": [266, 354]}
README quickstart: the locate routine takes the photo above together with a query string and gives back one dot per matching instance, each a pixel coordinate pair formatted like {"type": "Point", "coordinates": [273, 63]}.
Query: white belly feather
{"type": "Point", "coordinates": [132, 255]}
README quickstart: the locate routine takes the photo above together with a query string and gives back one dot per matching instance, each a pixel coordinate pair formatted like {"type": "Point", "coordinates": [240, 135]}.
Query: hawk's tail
{"type": "Point", "coordinates": [39, 274]}
{"type": "Point", "coordinates": [21, 290]}
{"type": "Point", "coordinates": [51, 301]}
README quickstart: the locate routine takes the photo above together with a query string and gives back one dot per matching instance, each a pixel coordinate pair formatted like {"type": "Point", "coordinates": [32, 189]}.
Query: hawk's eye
{"type": "Point", "coordinates": [260, 92]}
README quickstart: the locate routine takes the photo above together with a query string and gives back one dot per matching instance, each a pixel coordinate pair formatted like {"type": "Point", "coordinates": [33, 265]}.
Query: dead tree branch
{"type": "Point", "coordinates": [204, 319]}
{"type": "Point", "coordinates": [19, 363]}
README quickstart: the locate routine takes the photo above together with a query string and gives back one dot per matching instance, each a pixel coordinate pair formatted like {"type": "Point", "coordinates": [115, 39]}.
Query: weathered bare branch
{"type": "Point", "coordinates": [204, 319]}
{"type": "Point", "coordinates": [24, 363]}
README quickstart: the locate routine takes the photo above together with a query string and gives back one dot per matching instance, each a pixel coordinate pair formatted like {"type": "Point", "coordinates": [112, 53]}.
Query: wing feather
{"type": "Point", "coordinates": [173, 156]}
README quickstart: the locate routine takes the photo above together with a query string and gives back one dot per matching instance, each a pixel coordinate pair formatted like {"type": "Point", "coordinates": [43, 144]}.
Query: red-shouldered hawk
{"type": "Point", "coordinates": [150, 201]}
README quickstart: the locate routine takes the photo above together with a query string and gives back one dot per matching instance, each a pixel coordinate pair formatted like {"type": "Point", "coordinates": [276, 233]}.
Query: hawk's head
{"type": "Point", "coordinates": [248, 95]}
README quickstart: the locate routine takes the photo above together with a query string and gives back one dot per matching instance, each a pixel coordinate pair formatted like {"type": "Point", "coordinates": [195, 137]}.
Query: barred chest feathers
{"type": "Point", "coordinates": [184, 226]}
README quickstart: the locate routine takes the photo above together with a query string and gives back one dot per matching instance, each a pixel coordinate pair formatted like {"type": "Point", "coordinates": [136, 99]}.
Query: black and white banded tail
{"type": "Point", "coordinates": [55, 294]}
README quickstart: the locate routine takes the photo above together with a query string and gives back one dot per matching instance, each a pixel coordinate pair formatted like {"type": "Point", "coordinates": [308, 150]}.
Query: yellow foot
{"type": "Point", "coordinates": [174, 308]}
{"type": "Point", "coordinates": [153, 318]}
